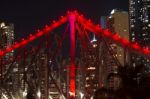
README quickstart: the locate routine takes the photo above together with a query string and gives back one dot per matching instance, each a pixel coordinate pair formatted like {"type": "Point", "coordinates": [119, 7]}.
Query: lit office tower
{"type": "Point", "coordinates": [91, 68]}
{"type": "Point", "coordinates": [118, 23]}
{"type": "Point", "coordinates": [139, 12]}
{"type": "Point", "coordinates": [112, 54]}
{"type": "Point", "coordinates": [6, 39]}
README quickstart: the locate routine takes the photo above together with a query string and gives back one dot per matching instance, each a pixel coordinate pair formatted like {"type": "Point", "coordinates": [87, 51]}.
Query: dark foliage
{"type": "Point", "coordinates": [135, 84]}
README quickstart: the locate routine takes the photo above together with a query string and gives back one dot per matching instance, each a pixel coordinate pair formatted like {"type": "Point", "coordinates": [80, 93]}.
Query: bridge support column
{"type": "Point", "coordinates": [72, 68]}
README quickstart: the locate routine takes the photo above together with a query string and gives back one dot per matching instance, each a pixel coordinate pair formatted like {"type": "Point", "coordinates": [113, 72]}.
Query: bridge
{"type": "Point", "coordinates": [31, 73]}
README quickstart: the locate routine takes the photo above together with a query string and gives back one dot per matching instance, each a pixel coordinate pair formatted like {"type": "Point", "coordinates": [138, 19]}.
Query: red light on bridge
{"type": "Point", "coordinates": [56, 24]}
{"type": "Point", "coordinates": [1, 53]}
{"type": "Point", "coordinates": [31, 38]}
{"type": "Point", "coordinates": [106, 32]}
{"type": "Point", "coordinates": [125, 42]}
{"type": "Point", "coordinates": [136, 46]}
{"type": "Point", "coordinates": [23, 42]}
{"type": "Point", "coordinates": [40, 33]}
{"type": "Point", "coordinates": [80, 19]}
{"type": "Point", "coordinates": [89, 20]}
{"type": "Point", "coordinates": [88, 23]}
{"type": "Point", "coordinates": [116, 37]}
{"type": "Point", "coordinates": [98, 28]}
{"type": "Point", "coordinates": [16, 45]}
{"type": "Point", "coordinates": [146, 50]}
{"type": "Point", "coordinates": [9, 49]}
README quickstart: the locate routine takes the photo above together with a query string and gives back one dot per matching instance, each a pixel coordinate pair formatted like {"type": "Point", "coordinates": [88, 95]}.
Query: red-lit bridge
{"type": "Point", "coordinates": [30, 74]}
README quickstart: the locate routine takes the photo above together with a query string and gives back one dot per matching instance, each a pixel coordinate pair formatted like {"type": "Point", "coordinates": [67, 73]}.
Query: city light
{"type": "Point", "coordinates": [91, 97]}
{"type": "Point", "coordinates": [94, 39]}
{"type": "Point", "coordinates": [72, 84]}
{"type": "Point", "coordinates": [72, 94]}
{"type": "Point", "coordinates": [5, 97]}
{"type": "Point", "coordinates": [24, 93]}
{"type": "Point", "coordinates": [39, 94]}
{"type": "Point", "coordinates": [81, 95]}
{"type": "Point", "coordinates": [83, 21]}
{"type": "Point", "coordinates": [50, 97]}
{"type": "Point", "coordinates": [94, 45]}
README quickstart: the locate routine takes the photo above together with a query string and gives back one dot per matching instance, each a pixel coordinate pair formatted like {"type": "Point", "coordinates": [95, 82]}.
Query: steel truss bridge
{"type": "Point", "coordinates": [30, 74]}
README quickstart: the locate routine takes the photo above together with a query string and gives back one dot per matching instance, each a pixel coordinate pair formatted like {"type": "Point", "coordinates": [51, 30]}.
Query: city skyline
{"type": "Point", "coordinates": [74, 49]}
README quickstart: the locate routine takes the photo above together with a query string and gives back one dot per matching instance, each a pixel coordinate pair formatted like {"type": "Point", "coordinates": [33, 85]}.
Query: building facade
{"type": "Point", "coordinates": [118, 23]}
{"type": "Point", "coordinates": [113, 55]}
{"type": "Point", "coordinates": [139, 16]}
{"type": "Point", "coordinates": [90, 59]}
{"type": "Point", "coordinates": [6, 39]}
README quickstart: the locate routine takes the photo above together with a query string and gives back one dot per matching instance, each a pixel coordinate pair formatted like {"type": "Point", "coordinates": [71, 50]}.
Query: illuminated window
{"type": "Point", "coordinates": [133, 34]}
{"type": "Point", "coordinates": [132, 26]}
{"type": "Point", "coordinates": [87, 78]}
{"type": "Point", "coordinates": [91, 68]}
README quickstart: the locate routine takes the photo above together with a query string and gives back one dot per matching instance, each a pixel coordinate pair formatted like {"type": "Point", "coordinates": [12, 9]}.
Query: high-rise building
{"type": "Point", "coordinates": [139, 16]}
{"type": "Point", "coordinates": [118, 23]}
{"type": "Point", "coordinates": [6, 39]}
{"type": "Point", "coordinates": [113, 55]}
{"type": "Point", "coordinates": [91, 68]}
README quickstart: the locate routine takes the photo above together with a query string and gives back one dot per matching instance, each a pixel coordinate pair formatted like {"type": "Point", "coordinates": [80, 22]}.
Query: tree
{"type": "Point", "coordinates": [135, 82]}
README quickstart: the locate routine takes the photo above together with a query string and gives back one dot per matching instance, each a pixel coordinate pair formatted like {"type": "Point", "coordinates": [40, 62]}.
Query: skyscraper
{"type": "Point", "coordinates": [91, 68]}
{"type": "Point", "coordinates": [118, 23]}
{"type": "Point", "coordinates": [139, 12]}
{"type": "Point", "coordinates": [6, 39]}
{"type": "Point", "coordinates": [112, 54]}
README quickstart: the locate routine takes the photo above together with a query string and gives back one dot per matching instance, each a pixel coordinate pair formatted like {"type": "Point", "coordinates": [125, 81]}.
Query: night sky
{"type": "Point", "coordinates": [29, 15]}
